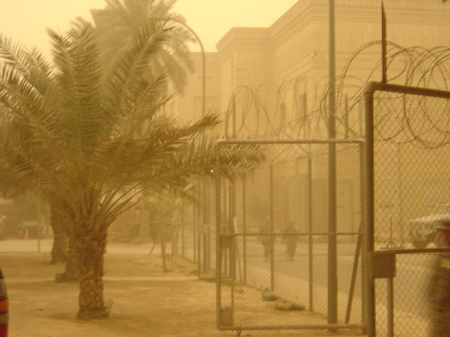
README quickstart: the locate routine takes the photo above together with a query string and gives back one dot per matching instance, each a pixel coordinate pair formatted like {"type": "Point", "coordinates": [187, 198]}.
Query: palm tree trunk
{"type": "Point", "coordinates": [59, 248]}
{"type": "Point", "coordinates": [90, 250]}
{"type": "Point", "coordinates": [71, 273]}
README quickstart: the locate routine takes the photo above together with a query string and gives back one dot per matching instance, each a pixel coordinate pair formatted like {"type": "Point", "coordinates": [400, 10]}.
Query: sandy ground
{"type": "Point", "coordinates": [146, 300]}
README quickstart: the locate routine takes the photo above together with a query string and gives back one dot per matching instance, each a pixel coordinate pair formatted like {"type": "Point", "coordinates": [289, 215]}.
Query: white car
{"type": "Point", "coordinates": [422, 231]}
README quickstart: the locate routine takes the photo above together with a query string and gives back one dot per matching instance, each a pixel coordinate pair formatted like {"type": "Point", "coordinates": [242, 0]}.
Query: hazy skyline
{"type": "Point", "coordinates": [25, 21]}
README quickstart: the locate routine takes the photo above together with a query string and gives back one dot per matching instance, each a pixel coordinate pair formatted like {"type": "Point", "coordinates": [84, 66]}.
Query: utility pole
{"type": "Point", "coordinates": [332, 221]}
{"type": "Point", "coordinates": [383, 45]}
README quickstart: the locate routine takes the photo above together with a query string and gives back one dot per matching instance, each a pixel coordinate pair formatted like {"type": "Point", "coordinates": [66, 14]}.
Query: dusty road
{"type": "Point", "coordinates": [146, 300]}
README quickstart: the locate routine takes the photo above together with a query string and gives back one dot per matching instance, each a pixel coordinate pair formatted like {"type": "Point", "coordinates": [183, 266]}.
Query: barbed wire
{"type": "Point", "coordinates": [298, 108]}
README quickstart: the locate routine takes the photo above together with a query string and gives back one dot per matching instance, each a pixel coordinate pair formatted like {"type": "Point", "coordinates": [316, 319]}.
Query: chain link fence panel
{"type": "Point", "coordinates": [411, 189]}
{"type": "Point", "coordinates": [274, 253]}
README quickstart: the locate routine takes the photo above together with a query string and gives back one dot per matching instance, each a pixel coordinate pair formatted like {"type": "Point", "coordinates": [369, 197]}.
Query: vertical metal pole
{"type": "Point", "coordinates": [226, 208]}
{"type": "Point", "coordinates": [194, 231]}
{"type": "Point", "coordinates": [310, 216]}
{"type": "Point", "coordinates": [353, 281]}
{"type": "Point", "coordinates": [332, 223]}
{"type": "Point", "coordinates": [232, 198]}
{"type": "Point", "coordinates": [206, 216]}
{"type": "Point", "coordinates": [370, 218]}
{"type": "Point", "coordinates": [232, 206]}
{"type": "Point", "coordinates": [232, 269]}
{"type": "Point", "coordinates": [383, 44]}
{"type": "Point", "coordinates": [233, 117]}
{"type": "Point", "coordinates": [183, 243]}
{"type": "Point", "coordinates": [203, 182]}
{"type": "Point", "coordinates": [390, 289]}
{"type": "Point", "coordinates": [199, 254]}
{"type": "Point", "coordinates": [346, 117]}
{"type": "Point", "coordinates": [310, 231]}
{"type": "Point", "coordinates": [400, 196]}
{"type": "Point", "coordinates": [272, 238]}
{"type": "Point", "coordinates": [218, 250]}
{"type": "Point", "coordinates": [201, 221]}
{"type": "Point", "coordinates": [361, 118]}
{"type": "Point", "coordinates": [359, 245]}
{"type": "Point", "coordinates": [363, 233]}
{"type": "Point", "coordinates": [234, 253]}
{"type": "Point", "coordinates": [39, 224]}
{"type": "Point", "coordinates": [203, 56]}
{"type": "Point", "coordinates": [244, 224]}
{"type": "Point", "coordinates": [206, 229]}
{"type": "Point", "coordinates": [352, 208]}
{"type": "Point", "coordinates": [200, 182]}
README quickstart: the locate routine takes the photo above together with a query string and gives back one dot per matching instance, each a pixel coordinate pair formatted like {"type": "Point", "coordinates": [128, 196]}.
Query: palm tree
{"type": "Point", "coordinates": [93, 141]}
{"type": "Point", "coordinates": [115, 24]}
{"type": "Point", "coordinates": [14, 184]}
{"type": "Point", "coordinates": [120, 19]}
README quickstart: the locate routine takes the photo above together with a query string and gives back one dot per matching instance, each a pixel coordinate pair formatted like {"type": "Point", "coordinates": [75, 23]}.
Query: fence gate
{"type": "Point", "coordinates": [276, 256]}
{"type": "Point", "coordinates": [408, 171]}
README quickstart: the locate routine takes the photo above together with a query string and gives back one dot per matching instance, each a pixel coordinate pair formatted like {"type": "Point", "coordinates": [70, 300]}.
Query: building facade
{"type": "Point", "coordinates": [295, 47]}
{"type": "Point", "coordinates": [263, 78]}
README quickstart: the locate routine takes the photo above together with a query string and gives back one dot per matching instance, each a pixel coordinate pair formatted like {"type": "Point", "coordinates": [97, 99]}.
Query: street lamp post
{"type": "Point", "coordinates": [203, 57]}
{"type": "Point", "coordinates": [199, 214]}
{"type": "Point", "coordinates": [332, 203]}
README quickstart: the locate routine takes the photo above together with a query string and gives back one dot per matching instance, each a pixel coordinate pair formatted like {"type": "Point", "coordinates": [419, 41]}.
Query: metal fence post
{"type": "Point", "coordinates": [363, 233]}
{"type": "Point", "coordinates": [400, 195]}
{"type": "Point", "coordinates": [332, 203]}
{"type": "Point", "coordinates": [218, 250]}
{"type": "Point", "coordinates": [244, 226]}
{"type": "Point", "coordinates": [370, 281]}
{"type": "Point", "coordinates": [310, 231]}
{"type": "Point", "coordinates": [272, 238]}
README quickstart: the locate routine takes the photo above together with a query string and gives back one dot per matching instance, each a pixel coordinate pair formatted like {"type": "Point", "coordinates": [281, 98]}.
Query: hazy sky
{"type": "Point", "coordinates": [25, 21]}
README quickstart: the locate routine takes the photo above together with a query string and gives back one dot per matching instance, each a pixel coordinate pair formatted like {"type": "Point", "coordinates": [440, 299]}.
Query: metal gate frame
{"type": "Point", "coordinates": [381, 264]}
{"type": "Point", "coordinates": [225, 316]}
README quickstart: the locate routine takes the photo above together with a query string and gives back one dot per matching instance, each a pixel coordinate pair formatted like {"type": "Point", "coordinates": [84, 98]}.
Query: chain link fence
{"type": "Point", "coordinates": [408, 163]}
{"type": "Point", "coordinates": [411, 186]}
{"type": "Point", "coordinates": [275, 252]}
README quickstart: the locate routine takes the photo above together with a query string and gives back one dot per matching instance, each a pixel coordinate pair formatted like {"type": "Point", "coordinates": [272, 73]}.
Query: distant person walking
{"type": "Point", "coordinates": [291, 240]}
{"type": "Point", "coordinates": [265, 239]}
{"type": "Point", "coordinates": [439, 288]}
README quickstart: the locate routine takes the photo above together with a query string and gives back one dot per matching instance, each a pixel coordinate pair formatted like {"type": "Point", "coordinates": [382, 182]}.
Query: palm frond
{"type": "Point", "coordinates": [120, 20]}
{"type": "Point", "coordinates": [126, 83]}
{"type": "Point", "coordinates": [80, 80]}
{"type": "Point", "coordinates": [28, 96]}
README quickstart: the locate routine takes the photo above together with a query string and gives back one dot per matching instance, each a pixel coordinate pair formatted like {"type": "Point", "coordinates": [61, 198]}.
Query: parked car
{"type": "Point", "coordinates": [4, 318]}
{"type": "Point", "coordinates": [422, 231]}
{"type": "Point", "coordinates": [29, 230]}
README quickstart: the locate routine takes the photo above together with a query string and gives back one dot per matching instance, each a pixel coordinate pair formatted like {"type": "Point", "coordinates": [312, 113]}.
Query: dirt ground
{"type": "Point", "coordinates": [146, 300]}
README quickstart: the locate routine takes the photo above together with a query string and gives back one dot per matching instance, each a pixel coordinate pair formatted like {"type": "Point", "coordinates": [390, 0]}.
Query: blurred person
{"type": "Point", "coordinates": [439, 288]}
{"type": "Point", "coordinates": [265, 239]}
{"type": "Point", "coordinates": [291, 240]}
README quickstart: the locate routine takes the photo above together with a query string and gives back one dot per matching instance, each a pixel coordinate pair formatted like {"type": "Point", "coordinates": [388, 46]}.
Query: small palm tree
{"type": "Point", "coordinates": [92, 141]}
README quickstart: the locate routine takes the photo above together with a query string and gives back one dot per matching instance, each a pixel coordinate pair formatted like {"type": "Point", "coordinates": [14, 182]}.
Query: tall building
{"type": "Point", "coordinates": [270, 77]}
{"type": "Point", "coordinates": [295, 47]}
